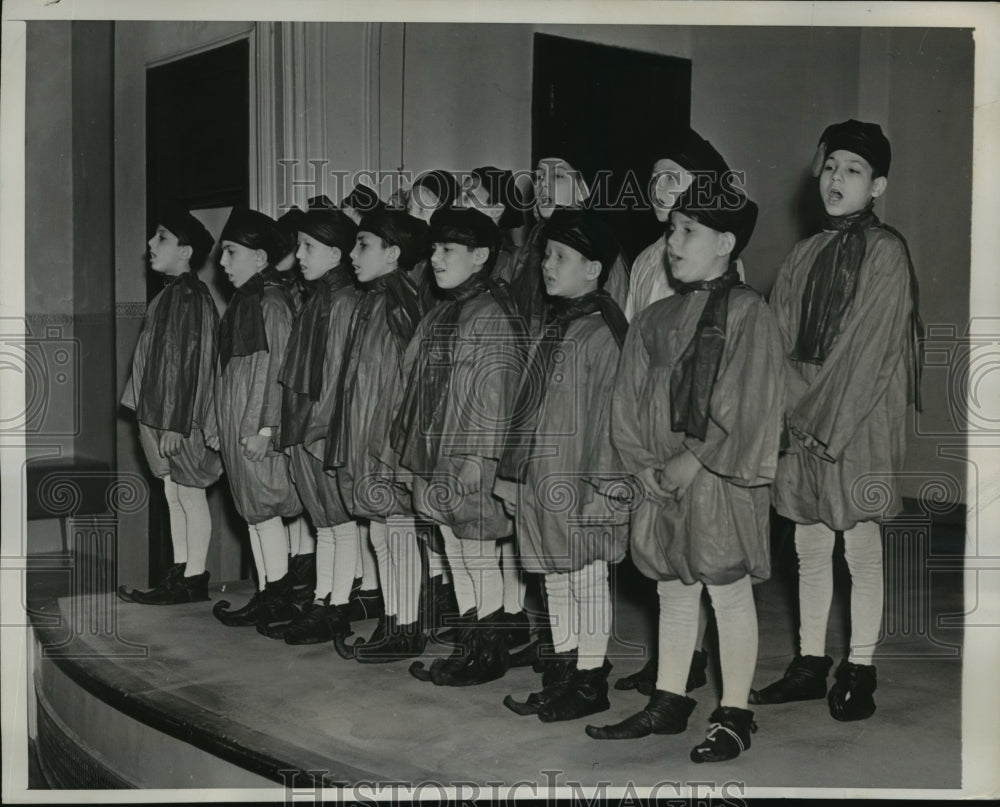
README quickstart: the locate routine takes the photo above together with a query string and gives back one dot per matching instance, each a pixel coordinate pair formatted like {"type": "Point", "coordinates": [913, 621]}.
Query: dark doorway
{"type": "Point", "coordinates": [619, 109]}
{"type": "Point", "coordinates": [197, 154]}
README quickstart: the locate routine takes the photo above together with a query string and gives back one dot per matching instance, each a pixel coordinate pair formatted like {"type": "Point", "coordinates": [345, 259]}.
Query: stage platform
{"type": "Point", "coordinates": [168, 697]}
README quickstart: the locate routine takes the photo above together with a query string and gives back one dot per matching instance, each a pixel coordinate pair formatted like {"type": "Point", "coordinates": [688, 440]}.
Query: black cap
{"type": "Point", "coordinates": [722, 207]}
{"type": "Point", "coordinates": [584, 231]}
{"type": "Point", "coordinates": [288, 229]}
{"type": "Point", "coordinates": [188, 230]}
{"type": "Point", "coordinates": [465, 226]}
{"type": "Point", "coordinates": [397, 228]}
{"type": "Point", "coordinates": [254, 230]}
{"type": "Point", "coordinates": [694, 153]}
{"type": "Point", "coordinates": [363, 199]}
{"type": "Point", "coordinates": [501, 189]}
{"type": "Point", "coordinates": [441, 183]}
{"type": "Point", "coordinates": [331, 227]}
{"type": "Point", "coordinates": [321, 202]}
{"type": "Point", "coordinates": [864, 139]}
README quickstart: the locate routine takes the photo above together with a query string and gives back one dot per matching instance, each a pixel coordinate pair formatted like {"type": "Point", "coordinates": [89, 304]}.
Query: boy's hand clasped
{"type": "Point", "coordinates": [255, 448]}
{"type": "Point", "coordinates": [170, 443]}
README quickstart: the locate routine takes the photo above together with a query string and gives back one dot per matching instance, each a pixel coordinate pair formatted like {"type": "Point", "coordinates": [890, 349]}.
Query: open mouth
{"type": "Point", "coordinates": [834, 195]}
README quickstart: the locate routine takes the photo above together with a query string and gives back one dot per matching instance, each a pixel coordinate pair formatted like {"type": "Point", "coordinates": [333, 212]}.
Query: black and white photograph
{"type": "Point", "coordinates": [478, 402]}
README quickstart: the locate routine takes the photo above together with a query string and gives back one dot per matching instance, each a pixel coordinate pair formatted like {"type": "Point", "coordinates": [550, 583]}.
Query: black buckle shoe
{"type": "Point", "coordinates": [804, 680]}
{"type": "Point", "coordinates": [728, 735]}
{"type": "Point", "coordinates": [666, 713]}
{"type": "Point", "coordinates": [586, 694]}
{"type": "Point", "coordinates": [851, 696]}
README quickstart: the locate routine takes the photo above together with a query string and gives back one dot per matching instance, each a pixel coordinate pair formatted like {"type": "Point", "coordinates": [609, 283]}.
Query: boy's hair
{"type": "Point", "coordinates": [467, 227]}
{"type": "Point", "coordinates": [398, 228]}
{"type": "Point", "coordinates": [189, 233]}
{"type": "Point", "coordinates": [864, 139]}
{"type": "Point", "coordinates": [584, 231]}
{"type": "Point", "coordinates": [721, 207]}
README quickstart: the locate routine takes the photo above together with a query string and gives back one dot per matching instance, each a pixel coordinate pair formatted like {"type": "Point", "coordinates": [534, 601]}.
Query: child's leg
{"type": "Point", "coordinates": [678, 631]}
{"type": "Point", "coordinates": [300, 538]}
{"type": "Point", "coordinates": [198, 517]}
{"type": "Point", "coordinates": [514, 586]}
{"type": "Point", "coordinates": [273, 547]}
{"type": "Point", "coordinates": [437, 564]}
{"type": "Point", "coordinates": [367, 568]}
{"type": "Point", "coordinates": [258, 557]}
{"type": "Point", "coordinates": [346, 538]}
{"type": "Point", "coordinates": [405, 555]}
{"type": "Point", "coordinates": [814, 546]}
{"type": "Point", "coordinates": [178, 521]}
{"type": "Point", "coordinates": [326, 553]}
{"type": "Point", "coordinates": [736, 616]}
{"type": "Point", "coordinates": [465, 591]}
{"type": "Point", "coordinates": [863, 551]}
{"type": "Point", "coordinates": [559, 600]}
{"type": "Point", "coordinates": [703, 616]}
{"type": "Point", "coordinates": [483, 562]}
{"type": "Point", "coordinates": [380, 544]}
{"type": "Point", "coordinates": [592, 618]}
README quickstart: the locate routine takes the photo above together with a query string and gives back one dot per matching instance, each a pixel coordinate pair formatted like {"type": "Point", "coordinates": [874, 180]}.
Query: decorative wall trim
{"type": "Point", "coordinates": [194, 51]}
{"type": "Point", "coordinates": [304, 92]}
{"type": "Point", "coordinates": [371, 92]}
{"type": "Point", "coordinates": [130, 310]}
{"type": "Point", "coordinates": [263, 150]}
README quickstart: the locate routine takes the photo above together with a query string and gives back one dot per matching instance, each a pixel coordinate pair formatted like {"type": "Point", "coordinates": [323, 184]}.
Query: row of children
{"type": "Point", "coordinates": [440, 383]}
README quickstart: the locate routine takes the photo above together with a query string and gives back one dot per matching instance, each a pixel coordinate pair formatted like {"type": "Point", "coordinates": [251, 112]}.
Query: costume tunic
{"type": "Point", "coordinates": [196, 465]}
{"type": "Point", "coordinates": [718, 532]}
{"type": "Point", "coordinates": [854, 403]}
{"type": "Point", "coordinates": [487, 352]}
{"type": "Point", "coordinates": [248, 398]}
{"type": "Point", "coordinates": [564, 518]}
{"type": "Point", "coordinates": [308, 419]}
{"type": "Point", "coordinates": [373, 374]}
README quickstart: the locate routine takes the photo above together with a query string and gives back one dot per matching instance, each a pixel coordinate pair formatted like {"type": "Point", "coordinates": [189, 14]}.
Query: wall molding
{"type": "Point", "coordinates": [371, 94]}
{"type": "Point", "coordinates": [263, 146]}
{"type": "Point", "coordinates": [303, 112]}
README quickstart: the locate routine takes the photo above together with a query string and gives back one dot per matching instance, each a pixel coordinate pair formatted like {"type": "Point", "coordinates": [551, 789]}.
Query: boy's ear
{"type": "Point", "coordinates": [879, 185]}
{"type": "Point", "coordinates": [338, 256]}
{"type": "Point", "coordinates": [392, 253]}
{"type": "Point", "coordinates": [480, 255]}
{"type": "Point", "coordinates": [186, 252]}
{"type": "Point", "coordinates": [260, 256]}
{"type": "Point", "coordinates": [726, 243]}
{"type": "Point", "coordinates": [593, 270]}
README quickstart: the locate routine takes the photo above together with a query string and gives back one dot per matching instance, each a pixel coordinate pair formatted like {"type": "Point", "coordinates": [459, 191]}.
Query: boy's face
{"type": "Point", "coordinates": [668, 182]}
{"type": "Point", "coordinates": [241, 263]}
{"type": "Point", "coordinates": [315, 257]}
{"type": "Point", "coordinates": [166, 255]}
{"type": "Point", "coordinates": [372, 258]}
{"type": "Point", "coordinates": [566, 272]}
{"type": "Point", "coordinates": [846, 184]}
{"type": "Point", "coordinates": [474, 196]}
{"type": "Point", "coordinates": [421, 202]}
{"type": "Point", "coordinates": [453, 264]}
{"type": "Point", "coordinates": [696, 252]}
{"type": "Point", "coordinates": [557, 184]}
